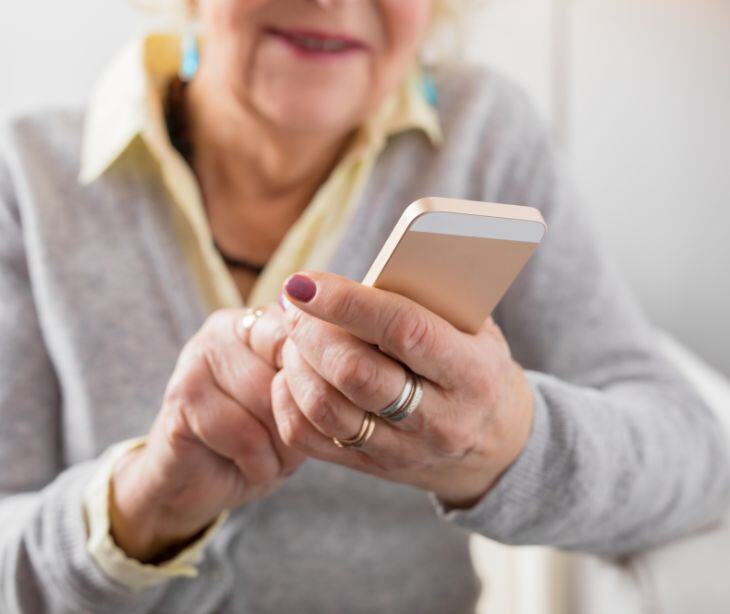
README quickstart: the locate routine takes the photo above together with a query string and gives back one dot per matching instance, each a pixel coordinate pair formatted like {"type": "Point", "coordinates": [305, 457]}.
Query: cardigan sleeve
{"type": "Point", "coordinates": [623, 454]}
{"type": "Point", "coordinates": [111, 558]}
{"type": "Point", "coordinates": [45, 565]}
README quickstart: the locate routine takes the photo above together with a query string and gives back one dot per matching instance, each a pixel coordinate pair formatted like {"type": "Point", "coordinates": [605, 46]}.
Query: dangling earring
{"type": "Point", "coordinates": [428, 85]}
{"type": "Point", "coordinates": [190, 56]}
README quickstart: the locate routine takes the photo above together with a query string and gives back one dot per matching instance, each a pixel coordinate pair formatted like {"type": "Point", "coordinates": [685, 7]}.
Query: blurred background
{"type": "Point", "coordinates": [637, 93]}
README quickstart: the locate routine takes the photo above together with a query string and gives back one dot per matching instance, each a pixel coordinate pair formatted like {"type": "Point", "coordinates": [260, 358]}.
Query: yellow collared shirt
{"type": "Point", "coordinates": [127, 103]}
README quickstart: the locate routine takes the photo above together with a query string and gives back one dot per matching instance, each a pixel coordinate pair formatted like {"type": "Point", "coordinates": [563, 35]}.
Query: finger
{"type": "Point", "coordinates": [220, 423]}
{"type": "Point", "coordinates": [365, 376]}
{"type": "Point", "coordinates": [267, 335]}
{"type": "Point", "coordinates": [436, 426]}
{"type": "Point", "coordinates": [235, 366]}
{"type": "Point", "coordinates": [331, 413]}
{"type": "Point", "coordinates": [424, 341]}
{"type": "Point", "coordinates": [242, 374]}
{"type": "Point", "coordinates": [297, 431]}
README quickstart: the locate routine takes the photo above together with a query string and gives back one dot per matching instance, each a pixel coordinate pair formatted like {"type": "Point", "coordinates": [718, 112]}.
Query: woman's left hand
{"type": "Point", "coordinates": [343, 357]}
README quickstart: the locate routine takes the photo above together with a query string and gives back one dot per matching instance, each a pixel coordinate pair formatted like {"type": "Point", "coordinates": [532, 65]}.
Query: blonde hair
{"type": "Point", "coordinates": [445, 40]}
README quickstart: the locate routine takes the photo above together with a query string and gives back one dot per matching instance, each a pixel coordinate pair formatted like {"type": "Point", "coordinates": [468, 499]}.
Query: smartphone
{"type": "Point", "coordinates": [457, 257]}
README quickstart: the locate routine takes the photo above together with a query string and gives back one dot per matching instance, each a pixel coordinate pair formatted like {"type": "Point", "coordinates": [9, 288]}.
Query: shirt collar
{"type": "Point", "coordinates": [127, 102]}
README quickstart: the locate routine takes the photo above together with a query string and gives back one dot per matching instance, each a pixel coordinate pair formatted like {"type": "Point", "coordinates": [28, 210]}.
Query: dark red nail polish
{"type": "Point", "coordinates": [301, 288]}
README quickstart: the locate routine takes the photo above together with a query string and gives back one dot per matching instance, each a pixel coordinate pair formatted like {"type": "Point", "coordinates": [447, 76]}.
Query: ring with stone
{"type": "Point", "coordinates": [249, 319]}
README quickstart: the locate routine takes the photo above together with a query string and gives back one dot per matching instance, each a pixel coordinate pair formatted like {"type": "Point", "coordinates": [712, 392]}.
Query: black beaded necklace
{"type": "Point", "coordinates": [180, 139]}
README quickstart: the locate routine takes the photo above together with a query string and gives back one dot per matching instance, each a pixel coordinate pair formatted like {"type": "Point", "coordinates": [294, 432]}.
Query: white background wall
{"type": "Point", "coordinates": [637, 90]}
{"type": "Point", "coordinates": [649, 110]}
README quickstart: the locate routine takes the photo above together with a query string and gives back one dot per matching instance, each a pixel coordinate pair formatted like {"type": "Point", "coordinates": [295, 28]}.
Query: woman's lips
{"type": "Point", "coordinates": [316, 44]}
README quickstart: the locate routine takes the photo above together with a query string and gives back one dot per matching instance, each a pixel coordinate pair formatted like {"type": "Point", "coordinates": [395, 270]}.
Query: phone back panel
{"type": "Point", "coordinates": [458, 267]}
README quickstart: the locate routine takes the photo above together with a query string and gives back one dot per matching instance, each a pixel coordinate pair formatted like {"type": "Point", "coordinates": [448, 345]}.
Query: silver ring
{"type": "Point", "coordinates": [402, 398]}
{"type": "Point", "coordinates": [412, 404]}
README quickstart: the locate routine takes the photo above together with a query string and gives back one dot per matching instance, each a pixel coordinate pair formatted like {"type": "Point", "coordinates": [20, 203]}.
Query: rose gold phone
{"type": "Point", "coordinates": [457, 257]}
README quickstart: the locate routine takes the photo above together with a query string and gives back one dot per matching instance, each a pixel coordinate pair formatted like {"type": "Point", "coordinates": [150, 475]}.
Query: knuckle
{"type": "Point", "coordinates": [255, 455]}
{"type": "Point", "coordinates": [217, 319]}
{"type": "Point", "coordinates": [199, 352]}
{"type": "Point", "coordinates": [355, 372]}
{"type": "Point", "coordinates": [191, 351]}
{"type": "Point", "coordinates": [409, 331]}
{"type": "Point", "coordinates": [176, 429]}
{"type": "Point", "coordinates": [183, 398]}
{"type": "Point", "coordinates": [209, 357]}
{"type": "Point", "coordinates": [189, 390]}
{"type": "Point", "coordinates": [455, 440]}
{"type": "Point", "coordinates": [318, 406]}
{"type": "Point", "coordinates": [346, 308]}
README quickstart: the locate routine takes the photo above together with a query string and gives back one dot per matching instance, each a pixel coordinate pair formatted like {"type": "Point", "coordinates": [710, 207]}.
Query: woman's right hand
{"type": "Point", "coordinates": [214, 444]}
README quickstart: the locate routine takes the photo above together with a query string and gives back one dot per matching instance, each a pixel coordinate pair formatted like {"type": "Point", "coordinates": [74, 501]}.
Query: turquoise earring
{"type": "Point", "coordinates": [430, 91]}
{"type": "Point", "coordinates": [190, 55]}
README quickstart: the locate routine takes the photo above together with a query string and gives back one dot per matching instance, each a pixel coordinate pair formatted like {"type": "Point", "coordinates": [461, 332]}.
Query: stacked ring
{"type": "Point", "coordinates": [407, 400]}
{"type": "Point", "coordinates": [366, 430]}
{"type": "Point", "coordinates": [412, 402]}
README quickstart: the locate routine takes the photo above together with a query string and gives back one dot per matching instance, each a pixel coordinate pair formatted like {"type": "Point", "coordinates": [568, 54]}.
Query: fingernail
{"type": "Point", "coordinates": [301, 288]}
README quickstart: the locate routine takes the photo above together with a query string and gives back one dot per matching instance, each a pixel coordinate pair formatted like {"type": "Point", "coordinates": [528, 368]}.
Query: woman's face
{"type": "Point", "coordinates": [311, 65]}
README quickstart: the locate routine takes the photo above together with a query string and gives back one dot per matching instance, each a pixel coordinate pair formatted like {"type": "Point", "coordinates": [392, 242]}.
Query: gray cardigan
{"type": "Point", "coordinates": [95, 306]}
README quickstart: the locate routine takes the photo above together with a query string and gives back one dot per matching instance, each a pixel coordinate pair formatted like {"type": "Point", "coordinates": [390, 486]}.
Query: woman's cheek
{"type": "Point", "coordinates": [406, 22]}
{"type": "Point", "coordinates": [230, 12]}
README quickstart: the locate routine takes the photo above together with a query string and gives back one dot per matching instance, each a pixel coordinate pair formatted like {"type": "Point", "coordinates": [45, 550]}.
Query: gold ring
{"type": "Point", "coordinates": [358, 441]}
{"type": "Point", "coordinates": [248, 321]}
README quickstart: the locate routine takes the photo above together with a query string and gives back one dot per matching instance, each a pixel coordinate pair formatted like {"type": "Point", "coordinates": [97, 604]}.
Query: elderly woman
{"type": "Point", "coordinates": [165, 449]}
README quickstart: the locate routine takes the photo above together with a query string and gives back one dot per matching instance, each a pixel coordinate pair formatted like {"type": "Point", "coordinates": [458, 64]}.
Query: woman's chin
{"type": "Point", "coordinates": [316, 116]}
